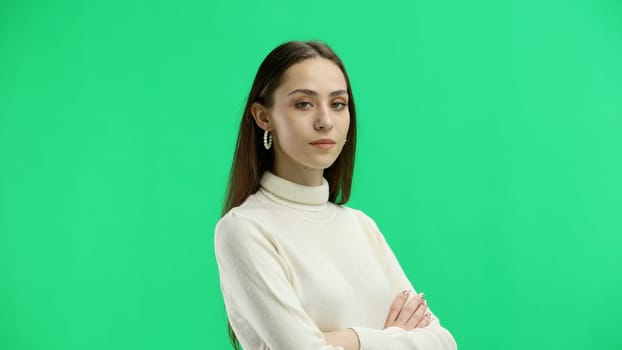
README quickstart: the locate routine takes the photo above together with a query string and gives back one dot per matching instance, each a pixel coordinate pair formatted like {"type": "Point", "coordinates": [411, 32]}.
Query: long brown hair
{"type": "Point", "coordinates": [251, 159]}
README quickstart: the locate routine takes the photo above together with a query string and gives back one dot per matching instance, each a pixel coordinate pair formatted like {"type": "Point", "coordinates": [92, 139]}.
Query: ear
{"type": "Point", "coordinates": [260, 115]}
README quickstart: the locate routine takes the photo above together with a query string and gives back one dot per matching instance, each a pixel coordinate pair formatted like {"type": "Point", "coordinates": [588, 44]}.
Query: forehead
{"type": "Point", "coordinates": [319, 74]}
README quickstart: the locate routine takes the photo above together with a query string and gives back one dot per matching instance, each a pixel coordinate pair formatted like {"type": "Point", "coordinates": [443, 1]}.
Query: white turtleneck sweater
{"type": "Point", "coordinates": [293, 265]}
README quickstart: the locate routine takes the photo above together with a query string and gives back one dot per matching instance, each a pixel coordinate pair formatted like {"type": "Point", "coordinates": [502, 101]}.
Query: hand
{"type": "Point", "coordinates": [408, 314]}
{"type": "Point", "coordinates": [346, 338]}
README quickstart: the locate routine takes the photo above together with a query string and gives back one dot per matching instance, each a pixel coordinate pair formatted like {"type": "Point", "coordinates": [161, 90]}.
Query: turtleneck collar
{"type": "Point", "coordinates": [293, 194]}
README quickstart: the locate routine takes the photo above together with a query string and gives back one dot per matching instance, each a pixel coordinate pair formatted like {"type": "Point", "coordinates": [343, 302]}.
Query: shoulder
{"type": "Point", "coordinates": [246, 215]}
{"type": "Point", "coordinates": [236, 227]}
{"type": "Point", "coordinates": [239, 241]}
{"type": "Point", "coordinates": [371, 228]}
{"type": "Point", "coordinates": [247, 226]}
{"type": "Point", "coordinates": [361, 216]}
{"type": "Point", "coordinates": [233, 221]}
{"type": "Point", "coordinates": [367, 223]}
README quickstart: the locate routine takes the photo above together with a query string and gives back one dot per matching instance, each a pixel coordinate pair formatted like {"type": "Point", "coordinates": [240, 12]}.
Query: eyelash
{"type": "Point", "coordinates": [300, 105]}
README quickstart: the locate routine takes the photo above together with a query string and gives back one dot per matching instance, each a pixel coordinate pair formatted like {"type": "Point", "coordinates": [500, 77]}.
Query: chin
{"type": "Point", "coordinates": [320, 163]}
{"type": "Point", "coordinates": [322, 166]}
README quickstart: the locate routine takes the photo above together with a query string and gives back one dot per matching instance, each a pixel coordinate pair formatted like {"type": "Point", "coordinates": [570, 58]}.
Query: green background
{"type": "Point", "coordinates": [489, 154]}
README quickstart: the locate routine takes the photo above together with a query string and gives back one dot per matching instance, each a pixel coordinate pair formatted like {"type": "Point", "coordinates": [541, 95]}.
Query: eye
{"type": "Point", "coordinates": [303, 105]}
{"type": "Point", "coordinates": [339, 105]}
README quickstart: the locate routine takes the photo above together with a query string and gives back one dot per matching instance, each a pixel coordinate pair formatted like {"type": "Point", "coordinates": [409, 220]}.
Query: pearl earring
{"type": "Point", "coordinates": [267, 139]}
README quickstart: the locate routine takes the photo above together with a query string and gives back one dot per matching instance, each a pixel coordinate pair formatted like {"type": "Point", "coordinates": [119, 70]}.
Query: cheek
{"type": "Point", "coordinates": [287, 132]}
{"type": "Point", "coordinates": [346, 123]}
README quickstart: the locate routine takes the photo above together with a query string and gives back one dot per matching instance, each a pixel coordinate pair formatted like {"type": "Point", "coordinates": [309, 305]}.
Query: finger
{"type": "Point", "coordinates": [396, 306]}
{"type": "Point", "coordinates": [426, 320]}
{"type": "Point", "coordinates": [408, 309]}
{"type": "Point", "coordinates": [418, 315]}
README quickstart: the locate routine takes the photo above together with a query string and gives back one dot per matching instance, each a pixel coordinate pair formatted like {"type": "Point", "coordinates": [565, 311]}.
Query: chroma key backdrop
{"type": "Point", "coordinates": [489, 154]}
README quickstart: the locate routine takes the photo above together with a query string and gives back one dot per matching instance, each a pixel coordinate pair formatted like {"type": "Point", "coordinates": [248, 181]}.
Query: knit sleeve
{"type": "Point", "coordinates": [263, 308]}
{"type": "Point", "coordinates": [432, 337]}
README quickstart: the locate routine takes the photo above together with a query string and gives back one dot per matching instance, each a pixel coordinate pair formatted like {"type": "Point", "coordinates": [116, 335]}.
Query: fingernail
{"type": "Point", "coordinates": [406, 291]}
{"type": "Point", "coordinates": [425, 302]}
{"type": "Point", "coordinates": [421, 295]}
{"type": "Point", "coordinates": [427, 314]}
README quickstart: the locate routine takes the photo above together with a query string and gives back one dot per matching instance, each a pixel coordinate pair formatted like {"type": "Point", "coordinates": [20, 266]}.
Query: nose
{"type": "Point", "coordinates": [324, 119]}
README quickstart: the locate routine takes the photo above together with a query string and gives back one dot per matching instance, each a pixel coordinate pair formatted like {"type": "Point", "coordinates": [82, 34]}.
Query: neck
{"type": "Point", "coordinates": [302, 176]}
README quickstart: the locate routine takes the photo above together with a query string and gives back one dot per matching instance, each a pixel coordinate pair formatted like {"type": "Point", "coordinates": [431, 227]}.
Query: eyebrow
{"type": "Point", "coordinates": [313, 93]}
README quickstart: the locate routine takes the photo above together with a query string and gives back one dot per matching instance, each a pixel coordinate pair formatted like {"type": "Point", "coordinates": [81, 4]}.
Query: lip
{"type": "Point", "coordinates": [323, 142]}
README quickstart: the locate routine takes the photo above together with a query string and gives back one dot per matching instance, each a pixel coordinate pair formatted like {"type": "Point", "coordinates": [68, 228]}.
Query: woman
{"type": "Point", "coordinates": [299, 269]}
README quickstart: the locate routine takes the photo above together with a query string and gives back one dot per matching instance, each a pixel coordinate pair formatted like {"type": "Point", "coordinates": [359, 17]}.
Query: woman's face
{"type": "Point", "coordinates": [309, 118]}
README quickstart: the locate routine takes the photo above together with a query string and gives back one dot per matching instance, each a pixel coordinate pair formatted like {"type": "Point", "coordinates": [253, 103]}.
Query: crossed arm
{"type": "Point", "coordinates": [255, 288]}
{"type": "Point", "coordinates": [403, 313]}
